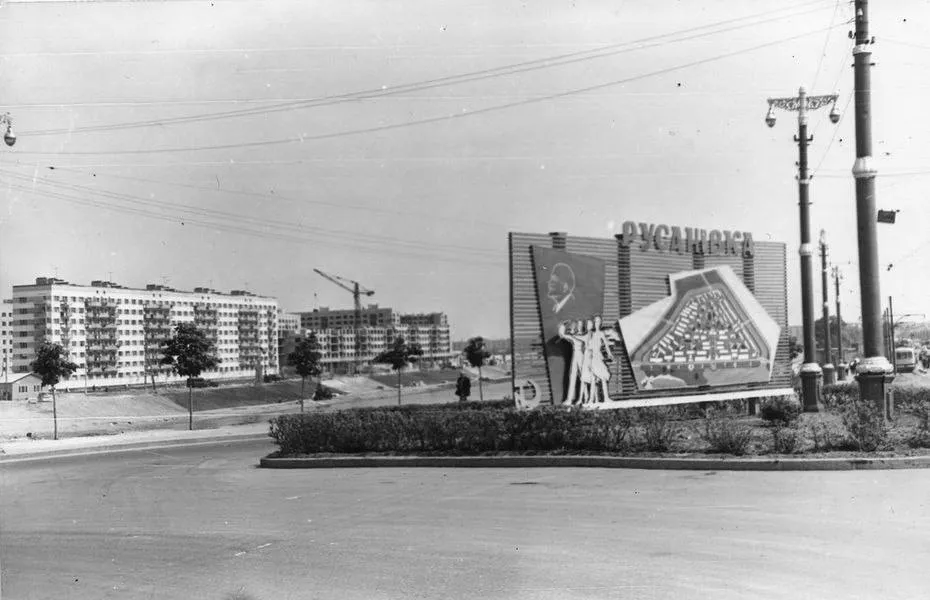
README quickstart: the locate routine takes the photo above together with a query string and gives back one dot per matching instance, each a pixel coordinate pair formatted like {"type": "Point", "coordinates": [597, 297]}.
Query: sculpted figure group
{"type": "Point", "coordinates": [591, 353]}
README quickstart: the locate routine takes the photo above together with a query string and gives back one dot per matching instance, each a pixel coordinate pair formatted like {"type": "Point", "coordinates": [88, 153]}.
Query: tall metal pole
{"type": "Point", "coordinates": [811, 373]}
{"type": "Point", "coordinates": [874, 372]}
{"type": "Point", "coordinates": [829, 372]}
{"type": "Point", "coordinates": [841, 363]}
{"type": "Point", "coordinates": [894, 358]}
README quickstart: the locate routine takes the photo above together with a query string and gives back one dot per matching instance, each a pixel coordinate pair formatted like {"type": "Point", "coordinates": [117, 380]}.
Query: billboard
{"type": "Point", "coordinates": [655, 315]}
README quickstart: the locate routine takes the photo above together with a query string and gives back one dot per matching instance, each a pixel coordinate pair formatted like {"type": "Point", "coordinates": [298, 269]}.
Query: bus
{"type": "Point", "coordinates": [905, 359]}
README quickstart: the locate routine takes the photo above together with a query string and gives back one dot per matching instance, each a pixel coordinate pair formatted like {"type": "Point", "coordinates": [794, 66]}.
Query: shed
{"type": "Point", "coordinates": [23, 386]}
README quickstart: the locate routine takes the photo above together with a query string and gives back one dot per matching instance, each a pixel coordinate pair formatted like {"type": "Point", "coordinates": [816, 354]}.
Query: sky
{"type": "Point", "coordinates": [240, 144]}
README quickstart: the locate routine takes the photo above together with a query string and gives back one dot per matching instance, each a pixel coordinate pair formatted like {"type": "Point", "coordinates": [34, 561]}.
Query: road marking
{"type": "Point", "coordinates": [292, 498]}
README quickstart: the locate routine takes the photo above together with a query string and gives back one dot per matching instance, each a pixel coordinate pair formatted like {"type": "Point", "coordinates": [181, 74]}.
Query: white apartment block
{"type": "Point", "coordinates": [341, 345]}
{"type": "Point", "coordinates": [288, 322]}
{"type": "Point", "coordinates": [6, 340]}
{"type": "Point", "coordinates": [115, 333]}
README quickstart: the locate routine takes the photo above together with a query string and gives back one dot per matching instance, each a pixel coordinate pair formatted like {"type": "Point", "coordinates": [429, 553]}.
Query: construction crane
{"type": "Point", "coordinates": [357, 291]}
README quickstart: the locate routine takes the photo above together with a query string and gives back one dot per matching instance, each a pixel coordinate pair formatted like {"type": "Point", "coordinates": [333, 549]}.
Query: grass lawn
{"type": "Point", "coordinates": [417, 378]}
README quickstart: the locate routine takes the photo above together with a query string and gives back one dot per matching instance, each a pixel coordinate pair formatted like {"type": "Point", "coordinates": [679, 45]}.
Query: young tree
{"type": "Point", "coordinates": [189, 353]}
{"type": "Point", "coordinates": [476, 353]}
{"type": "Point", "coordinates": [400, 354]}
{"type": "Point", "coordinates": [52, 365]}
{"type": "Point", "coordinates": [306, 360]}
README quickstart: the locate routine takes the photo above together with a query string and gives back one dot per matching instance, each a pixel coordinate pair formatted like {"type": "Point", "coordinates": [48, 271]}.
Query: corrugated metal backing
{"type": "Point", "coordinates": [526, 333]}
{"type": "Point", "coordinates": [635, 279]}
{"type": "Point", "coordinates": [771, 289]}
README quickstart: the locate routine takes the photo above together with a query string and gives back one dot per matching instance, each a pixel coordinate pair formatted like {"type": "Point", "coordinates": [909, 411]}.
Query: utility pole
{"type": "Point", "coordinates": [829, 372]}
{"type": "Point", "coordinates": [891, 326]}
{"type": "Point", "coordinates": [840, 363]}
{"type": "Point", "coordinates": [874, 372]}
{"type": "Point", "coordinates": [811, 373]}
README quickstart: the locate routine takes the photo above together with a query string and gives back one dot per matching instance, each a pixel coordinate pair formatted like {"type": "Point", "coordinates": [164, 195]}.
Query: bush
{"type": "Point", "coordinates": [823, 434]}
{"type": "Point", "coordinates": [838, 396]}
{"type": "Point", "coordinates": [271, 378]}
{"type": "Point", "coordinates": [725, 434]}
{"type": "Point", "coordinates": [453, 429]}
{"type": "Point", "coordinates": [656, 427]}
{"type": "Point", "coordinates": [786, 440]}
{"type": "Point", "coordinates": [866, 428]}
{"type": "Point", "coordinates": [323, 393]}
{"type": "Point", "coordinates": [920, 437]}
{"type": "Point", "coordinates": [780, 411]}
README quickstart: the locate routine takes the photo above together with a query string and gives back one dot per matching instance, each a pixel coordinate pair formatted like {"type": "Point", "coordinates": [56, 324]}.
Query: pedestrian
{"type": "Point", "coordinates": [463, 387]}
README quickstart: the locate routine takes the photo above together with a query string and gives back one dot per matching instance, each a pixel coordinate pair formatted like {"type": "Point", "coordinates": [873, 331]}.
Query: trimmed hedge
{"type": "Point", "coordinates": [454, 429]}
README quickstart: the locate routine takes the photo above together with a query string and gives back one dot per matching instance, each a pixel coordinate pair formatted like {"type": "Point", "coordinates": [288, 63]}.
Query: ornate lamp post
{"type": "Point", "coordinates": [841, 365]}
{"type": "Point", "coordinates": [9, 137]}
{"type": "Point", "coordinates": [811, 374]}
{"type": "Point", "coordinates": [829, 371]}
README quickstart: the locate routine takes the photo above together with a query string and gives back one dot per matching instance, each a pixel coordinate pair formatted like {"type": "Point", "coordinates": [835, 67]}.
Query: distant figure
{"type": "Point", "coordinates": [463, 387]}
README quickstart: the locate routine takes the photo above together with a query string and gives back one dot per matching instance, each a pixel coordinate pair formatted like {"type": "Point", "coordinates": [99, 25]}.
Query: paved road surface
{"type": "Point", "coordinates": [206, 523]}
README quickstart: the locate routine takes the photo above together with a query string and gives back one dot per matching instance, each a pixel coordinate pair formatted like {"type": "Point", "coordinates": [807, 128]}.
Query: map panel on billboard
{"type": "Point", "coordinates": [711, 331]}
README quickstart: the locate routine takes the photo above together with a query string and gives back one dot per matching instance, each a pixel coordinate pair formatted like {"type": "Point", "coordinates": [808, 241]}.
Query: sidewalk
{"type": "Point", "coordinates": [41, 448]}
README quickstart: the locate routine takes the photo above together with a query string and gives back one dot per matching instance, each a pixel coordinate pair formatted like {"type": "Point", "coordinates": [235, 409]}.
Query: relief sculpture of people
{"type": "Point", "coordinates": [592, 351]}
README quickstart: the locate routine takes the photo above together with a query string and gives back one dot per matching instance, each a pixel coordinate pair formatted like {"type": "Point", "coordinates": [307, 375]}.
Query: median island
{"type": "Point", "coordinates": [846, 431]}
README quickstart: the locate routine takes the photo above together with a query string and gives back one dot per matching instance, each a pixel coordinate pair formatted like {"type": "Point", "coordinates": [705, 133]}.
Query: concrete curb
{"type": "Point", "coordinates": [608, 462]}
{"type": "Point", "coordinates": [131, 447]}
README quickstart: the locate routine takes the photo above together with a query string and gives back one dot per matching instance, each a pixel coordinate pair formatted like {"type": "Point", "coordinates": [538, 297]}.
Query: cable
{"type": "Point", "coordinates": [335, 205]}
{"type": "Point", "coordinates": [448, 117]}
{"type": "Point", "coordinates": [511, 69]}
{"type": "Point", "coordinates": [826, 41]}
{"type": "Point", "coordinates": [338, 235]}
{"type": "Point", "coordinates": [836, 131]}
{"type": "Point", "coordinates": [243, 230]}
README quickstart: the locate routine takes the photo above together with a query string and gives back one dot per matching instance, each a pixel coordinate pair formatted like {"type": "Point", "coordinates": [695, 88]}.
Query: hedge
{"type": "Point", "coordinates": [454, 429]}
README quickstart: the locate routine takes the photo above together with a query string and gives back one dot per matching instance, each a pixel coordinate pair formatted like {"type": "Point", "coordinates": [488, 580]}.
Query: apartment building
{"type": "Point", "coordinates": [115, 333]}
{"type": "Point", "coordinates": [342, 346]}
{"type": "Point", "coordinates": [6, 339]}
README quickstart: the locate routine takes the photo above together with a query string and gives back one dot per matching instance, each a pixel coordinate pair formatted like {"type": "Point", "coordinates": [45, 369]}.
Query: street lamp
{"type": "Point", "coordinates": [9, 137]}
{"type": "Point", "coordinates": [811, 373]}
{"type": "Point", "coordinates": [829, 371]}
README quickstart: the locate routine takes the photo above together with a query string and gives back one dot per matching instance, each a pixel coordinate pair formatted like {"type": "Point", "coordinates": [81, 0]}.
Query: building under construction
{"type": "Point", "coordinates": [343, 346]}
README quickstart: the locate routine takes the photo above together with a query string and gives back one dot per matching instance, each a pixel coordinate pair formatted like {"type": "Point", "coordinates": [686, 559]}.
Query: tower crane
{"type": "Point", "coordinates": [357, 291]}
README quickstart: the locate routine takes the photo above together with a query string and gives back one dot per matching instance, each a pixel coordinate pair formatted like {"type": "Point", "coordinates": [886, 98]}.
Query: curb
{"type": "Point", "coordinates": [608, 462]}
{"type": "Point", "coordinates": [130, 447]}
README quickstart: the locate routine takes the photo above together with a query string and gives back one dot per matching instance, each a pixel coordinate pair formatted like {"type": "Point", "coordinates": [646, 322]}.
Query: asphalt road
{"type": "Point", "coordinates": [207, 523]}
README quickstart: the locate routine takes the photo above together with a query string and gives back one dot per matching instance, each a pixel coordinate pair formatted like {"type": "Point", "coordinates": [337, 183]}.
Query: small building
{"type": "Point", "coordinates": [23, 386]}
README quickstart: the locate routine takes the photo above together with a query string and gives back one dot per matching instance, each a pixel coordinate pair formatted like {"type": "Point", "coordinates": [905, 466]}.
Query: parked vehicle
{"type": "Point", "coordinates": [905, 359]}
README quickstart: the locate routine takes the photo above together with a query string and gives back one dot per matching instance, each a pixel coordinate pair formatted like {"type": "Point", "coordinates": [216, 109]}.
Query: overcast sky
{"type": "Point", "coordinates": [510, 116]}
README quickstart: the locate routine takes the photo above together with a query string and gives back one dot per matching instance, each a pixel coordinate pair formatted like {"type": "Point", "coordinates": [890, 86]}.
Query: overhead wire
{"type": "Point", "coordinates": [274, 196]}
{"type": "Point", "coordinates": [332, 234]}
{"type": "Point", "coordinates": [442, 118]}
{"type": "Point", "coordinates": [506, 70]}
{"type": "Point", "coordinates": [251, 232]}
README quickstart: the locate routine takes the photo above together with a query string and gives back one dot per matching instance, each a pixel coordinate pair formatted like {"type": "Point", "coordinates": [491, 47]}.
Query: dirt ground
{"type": "Point", "coordinates": [113, 413]}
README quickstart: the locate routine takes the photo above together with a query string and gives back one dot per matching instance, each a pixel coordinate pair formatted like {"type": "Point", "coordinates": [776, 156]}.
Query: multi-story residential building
{"type": "Point", "coordinates": [342, 346]}
{"type": "Point", "coordinates": [115, 333]}
{"type": "Point", "coordinates": [6, 339]}
{"type": "Point", "coordinates": [326, 318]}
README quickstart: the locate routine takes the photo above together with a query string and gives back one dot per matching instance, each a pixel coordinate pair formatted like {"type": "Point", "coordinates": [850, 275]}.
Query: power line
{"type": "Point", "coordinates": [448, 117]}
{"type": "Point", "coordinates": [337, 235]}
{"type": "Point", "coordinates": [335, 205]}
{"type": "Point", "coordinates": [512, 69]}
{"type": "Point", "coordinates": [255, 233]}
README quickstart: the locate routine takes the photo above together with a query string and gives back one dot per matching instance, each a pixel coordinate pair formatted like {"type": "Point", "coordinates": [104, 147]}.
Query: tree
{"type": "Point", "coordinates": [189, 353]}
{"type": "Point", "coordinates": [476, 353]}
{"type": "Point", "coordinates": [400, 354]}
{"type": "Point", "coordinates": [52, 365]}
{"type": "Point", "coordinates": [306, 360]}
{"type": "Point", "coordinates": [852, 333]}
